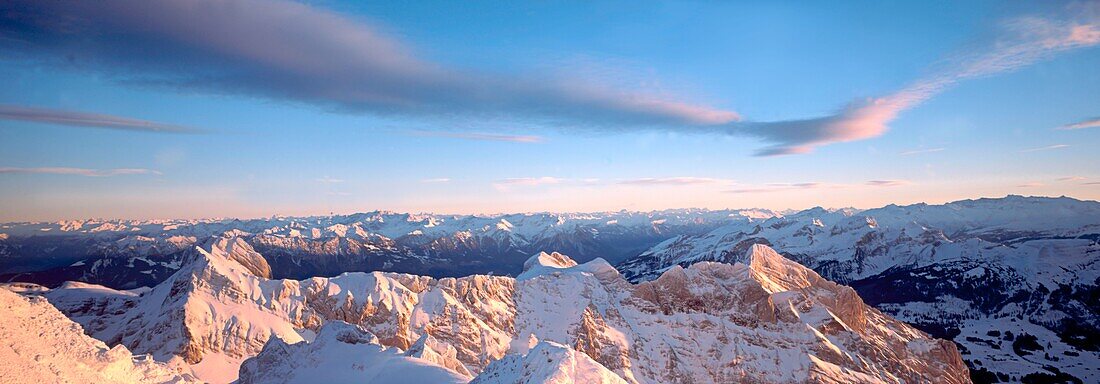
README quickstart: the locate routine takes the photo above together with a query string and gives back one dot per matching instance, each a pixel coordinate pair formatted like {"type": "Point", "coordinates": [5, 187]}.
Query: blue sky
{"type": "Point", "coordinates": [311, 108]}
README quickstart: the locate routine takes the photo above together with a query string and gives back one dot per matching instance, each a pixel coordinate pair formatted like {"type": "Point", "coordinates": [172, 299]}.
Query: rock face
{"type": "Point", "coordinates": [767, 320]}
{"type": "Point", "coordinates": [981, 272]}
{"type": "Point", "coordinates": [40, 345]}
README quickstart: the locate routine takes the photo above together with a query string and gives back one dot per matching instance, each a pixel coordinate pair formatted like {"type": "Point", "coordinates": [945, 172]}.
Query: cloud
{"type": "Point", "coordinates": [85, 119]}
{"type": "Point", "coordinates": [888, 183]}
{"type": "Point", "coordinates": [922, 151]}
{"type": "Point", "coordinates": [80, 171]}
{"type": "Point", "coordinates": [1091, 183]}
{"type": "Point", "coordinates": [777, 187]}
{"type": "Point", "coordinates": [329, 180]}
{"type": "Point", "coordinates": [1072, 178]}
{"type": "Point", "coordinates": [674, 181]}
{"type": "Point", "coordinates": [480, 136]}
{"type": "Point", "coordinates": [1046, 148]}
{"type": "Point", "coordinates": [436, 180]}
{"type": "Point", "coordinates": [292, 51]}
{"type": "Point", "coordinates": [1089, 123]}
{"type": "Point", "coordinates": [1031, 185]}
{"type": "Point", "coordinates": [505, 185]}
{"type": "Point", "coordinates": [1023, 42]}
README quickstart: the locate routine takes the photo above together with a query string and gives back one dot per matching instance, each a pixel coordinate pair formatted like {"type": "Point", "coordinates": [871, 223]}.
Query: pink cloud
{"type": "Point", "coordinates": [1024, 42]}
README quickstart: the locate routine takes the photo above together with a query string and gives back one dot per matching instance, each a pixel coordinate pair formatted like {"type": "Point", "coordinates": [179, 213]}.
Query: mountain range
{"type": "Point", "coordinates": [642, 297]}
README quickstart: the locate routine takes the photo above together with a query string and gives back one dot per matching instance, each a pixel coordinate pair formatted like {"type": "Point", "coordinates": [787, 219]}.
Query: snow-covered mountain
{"type": "Point", "coordinates": [40, 345]}
{"type": "Point", "coordinates": [1014, 281]}
{"type": "Point", "coordinates": [130, 254]}
{"type": "Point", "coordinates": [765, 319]}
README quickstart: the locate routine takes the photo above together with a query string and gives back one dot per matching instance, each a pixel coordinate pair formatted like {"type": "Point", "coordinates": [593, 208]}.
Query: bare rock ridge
{"type": "Point", "coordinates": [766, 320]}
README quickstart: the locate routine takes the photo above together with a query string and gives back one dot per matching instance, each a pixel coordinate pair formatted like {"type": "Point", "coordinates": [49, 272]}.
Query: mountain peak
{"type": "Point", "coordinates": [235, 249]}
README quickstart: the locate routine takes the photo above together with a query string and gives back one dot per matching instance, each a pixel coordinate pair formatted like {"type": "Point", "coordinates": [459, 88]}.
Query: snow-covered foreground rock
{"type": "Point", "coordinates": [41, 345]}
{"type": "Point", "coordinates": [1014, 281]}
{"type": "Point", "coordinates": [766, 319]}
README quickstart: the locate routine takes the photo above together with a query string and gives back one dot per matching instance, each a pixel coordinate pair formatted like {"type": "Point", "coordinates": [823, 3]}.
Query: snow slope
{"type": "Point", "coordinates": [341, 353]}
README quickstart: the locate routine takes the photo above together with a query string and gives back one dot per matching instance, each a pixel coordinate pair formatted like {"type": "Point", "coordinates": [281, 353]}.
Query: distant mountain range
{"type": "Point", "coordinates": [129, 254]}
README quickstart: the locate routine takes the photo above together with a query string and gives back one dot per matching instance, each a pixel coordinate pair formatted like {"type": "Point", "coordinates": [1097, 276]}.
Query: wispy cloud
{"type": "Point", "coordinates": [1091, 183]}
{"type": "Point", "coordinates": [686, 180]}
{"type": "Point", "coordinates": [80, 171]}
{"type": "Point", "coordinates": [1033, 184]}
{"type": "Point", "coordinates": [87, 120]}
{"type": "Point", "coordinates": [1072, 178]}
{"type": "Point", "coordinates": [922, 151]}
{"type": "Point", "coordinates": [505, 185]}
{"type": "Point", "coordinates": [1046, 148]}
{"type": "Point", "coordinates": [436, 180]}
{"type": "Point", "coordinates": [480, 136]}
{"type": "Point", "coordinates": [1023, 41]}
{"type": "Point", "coordinates": [1089, 123]}
{"type": "Point", "coordinates": [777, 187]}
{"type": "Point", "coordinates": [781, 187]}
{"type": "Point", "coordinates": [329, 180]}
{"type": "Point", "coordinates": [294, 51]}
{"type": "Point", "coordinates": [888, 183]}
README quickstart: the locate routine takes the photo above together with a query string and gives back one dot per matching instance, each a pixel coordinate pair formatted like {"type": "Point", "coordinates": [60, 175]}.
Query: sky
{"type": "Point", "coordinates": [252, 108]}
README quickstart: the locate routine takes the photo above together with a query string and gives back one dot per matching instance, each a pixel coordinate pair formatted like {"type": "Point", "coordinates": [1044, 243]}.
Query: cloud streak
{"type": "Point", "coordinates": [1046, 148]}
{"type": "Point", "coordinates": [922, 151]}
{"type": "Point", "coordinates": [888, 183]}
{"type": "Point", "coordinates": [436, 180]}
{"type": "Point", "coordinates": [87, 120]}
{"type": "Point", "coordinates": [292, 51]}
{"type": "Point", "coordinates": [1089, 123]}
{"type": "Point", "coordinates": [480, 136]}
{"type": "Point", "coordinates": [329, 180]}
{"type": "Point", "coordinates": [778, 187]}
{"type": "Point", "coordinates": [1023, 42]}
{"type": "Point", "coordinates": [79, 171]}
{"type": "Point", "coordinates": [675, 181]}
{"type": "Point", "coordinates": [505, 185]}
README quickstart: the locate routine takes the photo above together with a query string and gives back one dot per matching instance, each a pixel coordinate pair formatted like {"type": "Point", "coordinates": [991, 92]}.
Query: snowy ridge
{"type": "Point", "coordinates": [768, 321]}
